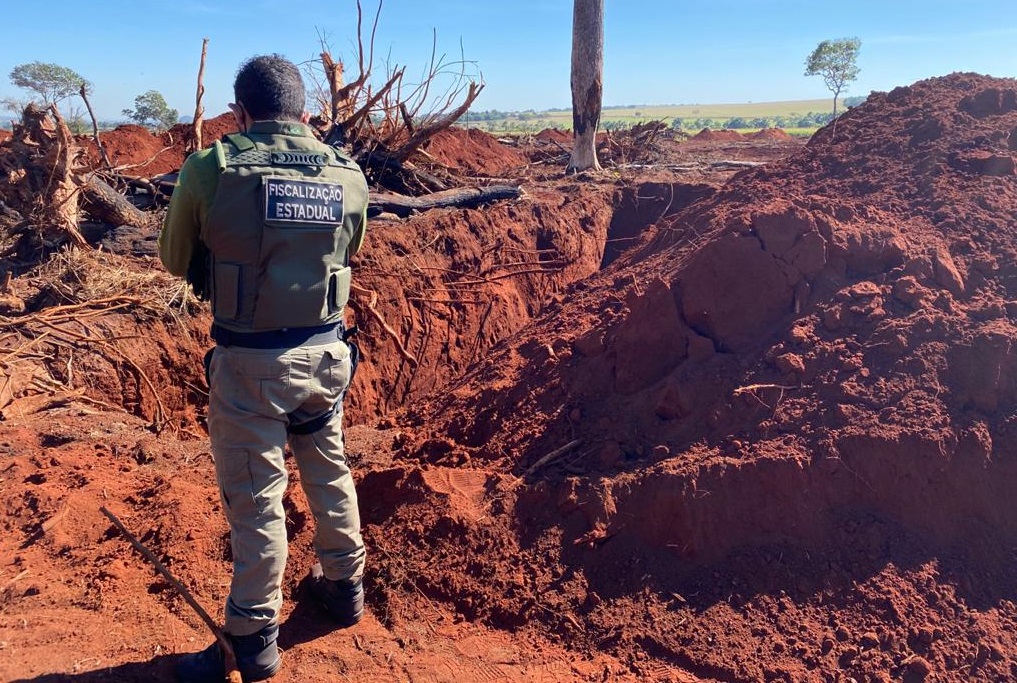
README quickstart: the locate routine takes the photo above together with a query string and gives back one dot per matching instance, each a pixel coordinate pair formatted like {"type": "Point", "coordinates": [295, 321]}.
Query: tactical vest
{"type": "Point", "coordinates": [285, 212]}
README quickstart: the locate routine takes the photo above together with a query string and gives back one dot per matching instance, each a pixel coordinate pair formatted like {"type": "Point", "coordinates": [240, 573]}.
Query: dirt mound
{"type": "Point", "coordinates": [473, 152]}
{"type": "Point", "coordinates": [820, 350]}
{"type": "Point", "coordinates": [725, 135]}
{"type": "Point", "coordinates": [770, 134]}
{"type": "Point", "coordinates": [135, 150]}
{"type": "Point", "coordinates": [211, 129]}
{"type": "Point", "coordinates": [555, 135]}
{"type": "Point", "coordinates": [138, 151]}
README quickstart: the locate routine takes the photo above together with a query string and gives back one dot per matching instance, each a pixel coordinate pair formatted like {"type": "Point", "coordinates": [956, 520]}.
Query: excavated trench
{"type": "Point", "coordinates": [807, 368]}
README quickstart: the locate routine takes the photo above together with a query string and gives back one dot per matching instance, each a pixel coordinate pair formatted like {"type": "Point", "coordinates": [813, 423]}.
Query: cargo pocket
{"type": "Point", "coordinates": [339, 289]}
{"type": "Point", "coordinates": [236, 484]}
{"type": "Point", "coordinates": [226, 287]}
{"type": "Point", "coordinates": [339, 374]}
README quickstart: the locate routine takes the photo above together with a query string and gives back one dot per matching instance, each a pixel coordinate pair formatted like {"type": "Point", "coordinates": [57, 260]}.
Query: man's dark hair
{"type": "Point", "coordinates": [270, 88]}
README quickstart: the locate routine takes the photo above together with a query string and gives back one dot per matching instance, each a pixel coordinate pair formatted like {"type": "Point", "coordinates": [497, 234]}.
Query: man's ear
{"type": "Point", "coordinates": [238, 115]}
{"type": "Point", "coordinates": [305, 117]}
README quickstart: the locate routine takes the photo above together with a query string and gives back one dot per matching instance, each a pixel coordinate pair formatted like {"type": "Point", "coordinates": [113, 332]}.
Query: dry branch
{"type": "Point", "coordinates": [553, 455]}
{"type": "Point", "coordinates": [372, 298]}
{"type": "Point", "coordinates": [95, 127]}
{"type": "Point", "coordinates": [426, 132]}
{"type": "Point", "coordinates": [194, 144]}
{"type": "Point", "coordinates": [402, 205]}
{"type": "Point", "coordinates": [232, 672]}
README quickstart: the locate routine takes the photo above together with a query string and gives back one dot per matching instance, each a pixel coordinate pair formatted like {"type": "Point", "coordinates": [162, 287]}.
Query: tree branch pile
{"type": "Point", "coordinates": [386, 126]}
{"type": "Point", "coordinates": [47, 183]}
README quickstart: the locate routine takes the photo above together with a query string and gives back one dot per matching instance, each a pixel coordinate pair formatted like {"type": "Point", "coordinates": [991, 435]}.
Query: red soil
{"type": "Point", "coordinates": [143, 153]}
{"type": "Point", "coordinates": [748, 427]}
{"type": "Point", "coordinates": [474, 152]}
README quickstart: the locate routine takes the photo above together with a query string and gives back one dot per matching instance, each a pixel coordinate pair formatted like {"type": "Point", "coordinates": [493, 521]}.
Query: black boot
{"type": "Point", "coordinates": [342, 599]}
{"type": "Point", "coordinates": [257, 658]}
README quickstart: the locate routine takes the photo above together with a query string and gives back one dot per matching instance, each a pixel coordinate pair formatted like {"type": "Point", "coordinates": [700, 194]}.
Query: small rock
{"type": "Point", "coordinates": [833, 318]}
{"type": "Point", "coordinates": [947, 274]}
{"type": "Point", "coordinates": [919, 667]}
{"type": "Point", "coordinates": [590, 344]}
{"type": "Point", "coordinates": [789, 363]}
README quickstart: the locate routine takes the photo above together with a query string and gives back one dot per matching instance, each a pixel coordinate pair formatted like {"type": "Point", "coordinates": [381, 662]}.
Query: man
{"type": "Point", "coordinates": [279, 213]}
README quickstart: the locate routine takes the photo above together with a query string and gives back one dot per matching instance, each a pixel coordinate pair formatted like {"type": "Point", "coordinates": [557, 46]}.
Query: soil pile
{"type": "Point", "coordinates": [138, 151]}
{"type": "Point", "coordinates": [796, 396]}
{"type": "Point", "coordinates": [725, 135]}
{"type": "Point", "coordinates": [770, 134]}
{"type": "Point", "coordinates": [473, 152]}
{"type": "Point", "coordinates": [558, 135]}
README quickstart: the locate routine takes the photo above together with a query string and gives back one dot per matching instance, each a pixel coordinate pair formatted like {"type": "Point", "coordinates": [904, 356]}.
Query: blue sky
{"type": "Point", "coordinates": [656, 51]}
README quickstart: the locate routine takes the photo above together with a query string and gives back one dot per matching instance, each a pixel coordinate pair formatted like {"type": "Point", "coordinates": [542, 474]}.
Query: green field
{"type": "Point", "coordinates": [693, 116]}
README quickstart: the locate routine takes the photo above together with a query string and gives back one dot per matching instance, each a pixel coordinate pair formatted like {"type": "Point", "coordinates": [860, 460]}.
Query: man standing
{"type": "Point", "coordinates": [270, 217]}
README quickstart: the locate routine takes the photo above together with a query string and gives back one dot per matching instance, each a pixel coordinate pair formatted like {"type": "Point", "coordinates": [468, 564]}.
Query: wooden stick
{"type": "Point", "coordinates": [95, 127]}
{"type": "Point", "coordinates": [557, 453]}
{"type": "Point", "coordinates": [369, 305]}
{"type": "Point", "coordinates": [199, 110]}
{"type": "Point", "coordinates": [232, 672]}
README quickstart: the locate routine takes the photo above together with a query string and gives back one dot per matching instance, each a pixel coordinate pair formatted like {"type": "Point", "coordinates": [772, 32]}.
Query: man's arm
{"type": "Point", "coordinates": [187, 211]}
{"type": "Point", "coordinates": [357, 240]}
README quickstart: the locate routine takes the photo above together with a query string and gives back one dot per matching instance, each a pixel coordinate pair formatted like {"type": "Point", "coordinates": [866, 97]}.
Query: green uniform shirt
{"type": "Point", "coordinates": [194, 193]}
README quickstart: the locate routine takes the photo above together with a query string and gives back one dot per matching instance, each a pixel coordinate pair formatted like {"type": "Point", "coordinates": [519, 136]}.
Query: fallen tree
{"type": "Point", "coordinates": [48, 183]}
{"type": "Point", "coordinates": [402, 205]}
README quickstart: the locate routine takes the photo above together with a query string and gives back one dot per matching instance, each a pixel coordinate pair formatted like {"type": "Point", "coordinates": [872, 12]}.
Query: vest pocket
{"type": "Point", "coordinates": [226, 292]}
{"type": "Point", "coordinates": [339, 289]}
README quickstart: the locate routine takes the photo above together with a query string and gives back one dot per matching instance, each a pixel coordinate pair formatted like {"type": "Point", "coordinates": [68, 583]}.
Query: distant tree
{"type": "Point", "coordinates": [834, 60]}
{"type": "Point", "coordinates": [151, 106]}
{"type": "Point", "coordinates": [587, 82]}
{"type": "Point", "coordinates": [51, 82]}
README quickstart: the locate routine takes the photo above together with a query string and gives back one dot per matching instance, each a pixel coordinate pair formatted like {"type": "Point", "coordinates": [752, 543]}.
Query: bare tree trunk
{"type": "Point", "coordinates": [62, 205]}
{"type": "Point", "coordinates": [195, 142]}
{"type": "Point", "coordinates": [587, 82]}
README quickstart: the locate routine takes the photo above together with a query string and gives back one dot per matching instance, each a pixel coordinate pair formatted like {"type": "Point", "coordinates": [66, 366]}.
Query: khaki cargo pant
{"type": "Point", "coordinates": [255, 394]}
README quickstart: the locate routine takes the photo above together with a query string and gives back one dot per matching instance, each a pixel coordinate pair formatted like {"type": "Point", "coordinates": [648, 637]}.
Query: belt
{"type": "Point", "coordinates": [278, 339]}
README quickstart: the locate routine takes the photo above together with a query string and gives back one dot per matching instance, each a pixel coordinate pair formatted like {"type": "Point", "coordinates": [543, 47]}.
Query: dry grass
{"type": "Point", "coordinates": [79, 276]}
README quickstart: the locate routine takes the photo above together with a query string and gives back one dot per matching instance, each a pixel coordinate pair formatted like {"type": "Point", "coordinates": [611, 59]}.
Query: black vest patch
{"type": "Point", "coordinates": [289, 200]}
{"type": "Point", "coordinates": [299, 159]}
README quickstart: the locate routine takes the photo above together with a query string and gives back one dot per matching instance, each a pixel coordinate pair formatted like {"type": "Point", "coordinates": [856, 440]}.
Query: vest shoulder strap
{"type": "Point", "coordinates": [240, 141]}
